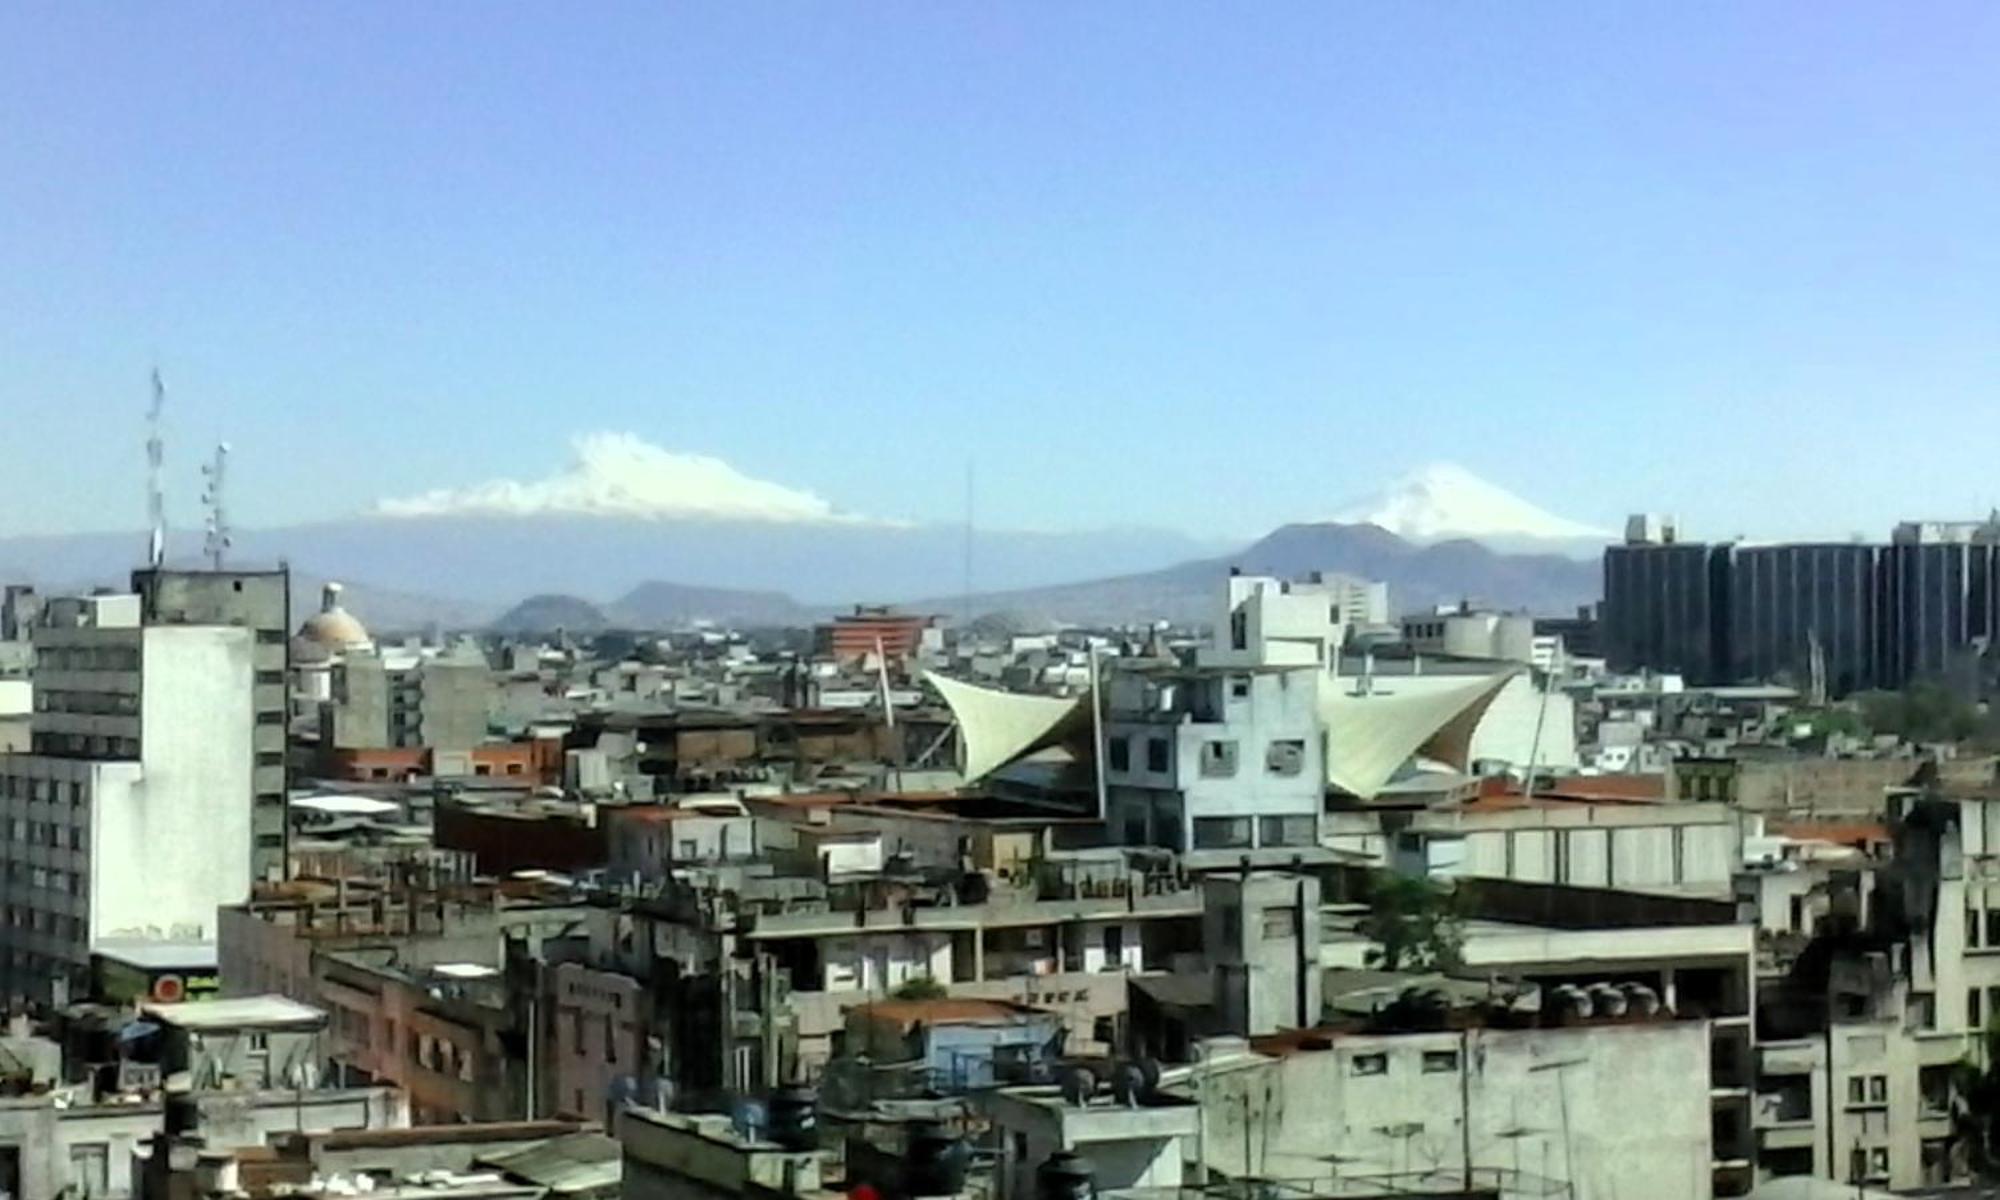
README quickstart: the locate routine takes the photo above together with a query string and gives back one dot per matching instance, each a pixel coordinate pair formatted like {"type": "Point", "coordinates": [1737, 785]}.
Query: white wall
{"type": "Point", "coordinates": [881, 962]}
{"type": "Point", "coordinates": [1628, 1118]}
{"type": "Point", "coordinates": [170, 847]}
{"type": "Point", "coordinates": [1094, 956]}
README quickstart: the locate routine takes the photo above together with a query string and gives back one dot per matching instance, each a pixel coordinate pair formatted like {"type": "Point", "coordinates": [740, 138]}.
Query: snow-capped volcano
{"type": "Point", "coordinates": [1444, 500]}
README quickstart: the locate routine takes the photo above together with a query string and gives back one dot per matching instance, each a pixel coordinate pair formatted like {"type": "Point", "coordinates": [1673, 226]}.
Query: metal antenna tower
{"type": "Point", "coordinates": [217, 540]}
{"type": "Point", "coordinates": [156, 503]}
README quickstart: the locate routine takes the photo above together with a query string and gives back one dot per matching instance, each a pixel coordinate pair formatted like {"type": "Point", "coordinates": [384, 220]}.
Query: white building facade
{"type": "Point", "coordinates": [131, 815]}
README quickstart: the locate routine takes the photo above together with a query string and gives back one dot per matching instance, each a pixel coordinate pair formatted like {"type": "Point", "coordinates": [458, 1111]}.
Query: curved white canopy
{"type": "Point", "coordinates": [1371, 733]}
{"type": "Point", "coordinates": [996, 727]}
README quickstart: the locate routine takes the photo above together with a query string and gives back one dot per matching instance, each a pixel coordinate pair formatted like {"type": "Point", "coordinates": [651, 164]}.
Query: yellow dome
{"type": "Point", "coordinates": [333, 627]}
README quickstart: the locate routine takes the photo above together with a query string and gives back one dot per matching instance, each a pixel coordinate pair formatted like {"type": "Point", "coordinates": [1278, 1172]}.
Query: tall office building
{"type": "Point", "coordinates": [259, 601]}
{"type": "Point", "coordinates": [1805, 612]}
{"type": "Point", "coordinates": [130, 816]}
{"type": "Point", "coordinates": [1940, 597]}
{"type": "Point", "coordinates": [1852, 615]}
{"type": "Point", "coordinates": [1666, 606]}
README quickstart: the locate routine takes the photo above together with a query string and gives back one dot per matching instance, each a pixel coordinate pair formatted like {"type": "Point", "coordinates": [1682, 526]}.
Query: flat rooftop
{"type": "Point", "coordinates": [243, 1012]}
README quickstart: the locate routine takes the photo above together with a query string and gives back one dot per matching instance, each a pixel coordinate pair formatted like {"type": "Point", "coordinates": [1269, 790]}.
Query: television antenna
{"type": "Point", "coordinates": [156, 503]}
{"type": "Point", "coordinates": [216, 541]}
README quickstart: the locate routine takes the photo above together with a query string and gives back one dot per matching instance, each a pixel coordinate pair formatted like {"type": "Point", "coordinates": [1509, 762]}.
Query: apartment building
{"type": "Point", "coordinates": [133, 813]}
{"type": "Point", "coordinates": [258, 601]}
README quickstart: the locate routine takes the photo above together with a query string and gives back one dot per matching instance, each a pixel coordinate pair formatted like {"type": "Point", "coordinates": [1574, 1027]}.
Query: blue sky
{"type": "Point", "coordinates": [1205, 267]}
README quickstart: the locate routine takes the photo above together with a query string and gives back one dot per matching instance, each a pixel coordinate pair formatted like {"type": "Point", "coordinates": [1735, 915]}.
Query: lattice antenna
{"type": "Point", "coordinates": [156, 501]}
{"type": "Point", "coordinates": [216, 542]}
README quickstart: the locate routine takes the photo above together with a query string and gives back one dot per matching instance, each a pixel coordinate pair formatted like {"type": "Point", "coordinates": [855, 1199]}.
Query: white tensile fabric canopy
{"type": "Point", "coordinates": [999, 727]}
{"type": "Point", "coordinates": [1371, 731]}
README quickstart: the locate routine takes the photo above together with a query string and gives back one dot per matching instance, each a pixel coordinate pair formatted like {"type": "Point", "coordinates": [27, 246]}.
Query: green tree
{"type": "Point", "coordinates": [923, 987]}
{"type": "Point", "coordinates": [1416, 923]}
{"type": "Point", "coordinates": [1976, 1091]}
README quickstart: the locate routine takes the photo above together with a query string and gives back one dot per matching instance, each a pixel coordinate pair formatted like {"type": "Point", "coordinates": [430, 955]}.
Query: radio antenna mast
{"type": "Point", "coordinates": [156, 503]}
{"type": "Point", "coordinates": [217, 540]}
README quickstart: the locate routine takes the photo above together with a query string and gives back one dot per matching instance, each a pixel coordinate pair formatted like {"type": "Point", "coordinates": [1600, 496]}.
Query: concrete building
{"type": "Point", "coordinates": [870, 630]}
{"type": "Point", "coordinates": [132, 816]}
{"type": "Point", "coordinates": [380, 699]}
{"type": "Point", "coordinates": [1214, 761]}
{"type": "Point", "coordinates": [260, 602]}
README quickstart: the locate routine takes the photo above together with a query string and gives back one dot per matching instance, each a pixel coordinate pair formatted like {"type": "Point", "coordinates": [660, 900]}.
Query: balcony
{"type": "Point", "coordinates": [1798, 1057]}
{"type": "Point", "coordinates": [1783, 1116]}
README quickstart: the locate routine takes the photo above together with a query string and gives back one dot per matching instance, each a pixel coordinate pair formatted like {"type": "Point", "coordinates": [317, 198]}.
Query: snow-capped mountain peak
{"type": "Point", "coordinates": [1444, 500]}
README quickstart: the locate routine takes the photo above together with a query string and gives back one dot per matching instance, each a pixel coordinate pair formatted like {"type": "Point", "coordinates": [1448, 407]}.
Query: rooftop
{"type": "Point", "coordinates": [155, 954]}
{"type": "Point", "coordinates": [947, 1011]}
{"type": "Point", "coordinates": [244, 1012]}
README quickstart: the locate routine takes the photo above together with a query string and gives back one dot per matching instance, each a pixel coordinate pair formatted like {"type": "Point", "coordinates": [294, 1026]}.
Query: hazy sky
{"type": "Point", "coordinates": [1209, 267]}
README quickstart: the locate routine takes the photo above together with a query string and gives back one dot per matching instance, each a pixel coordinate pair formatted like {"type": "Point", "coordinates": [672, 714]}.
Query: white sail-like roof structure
{"type": "Point", "coordinates": [997, 728]}
{"type": "Point", "coordinates": [1374, 727]}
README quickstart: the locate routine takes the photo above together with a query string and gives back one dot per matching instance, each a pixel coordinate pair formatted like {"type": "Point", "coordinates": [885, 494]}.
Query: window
{"type": "Point", "coordinates": [270, 637]}
{"type": "Point", "coordinates": [1857, 1164]}
{"type": "Point", "coordinates": [87, 1175]}
{"type": "Point", "coordinates": [1239, 630]}
{"type": "Point", "coordinates": [1280, 921]}
{"type": "Point", "coordinates": [1865, 1090]}
{"type": "Point", "coordinates": [1158, 755]}
{"type": "Point", "coordinates": [1286, 756]}
{"type": "Point", "coordinates": [1368, 1064]}
{"type": "Point", "coordinates": [1993, 927]}
{"type": "Point", "coordinates": [1114, 946]}
{"type": "Point", "coordinates": [1438, 1062]}
{"type": "Point", "coordinates": [1121, 754]}
{"type": "Point", "coordinates": [271, 717]}
{"type": "Point", "coordinates": [1239, 687]}
{"type": "Point", "coordinates": [1878, 1162]}
{"type": "Point", "coordinates": [1218, 759]}
{"type": "Point", "coordinates": [1287, 831]}
{"type": "Point", "coordinates": [1221, 833]}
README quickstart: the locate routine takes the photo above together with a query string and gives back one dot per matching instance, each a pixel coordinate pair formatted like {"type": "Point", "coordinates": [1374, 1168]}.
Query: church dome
{"type": "Point", "coordinates": [333, 627]}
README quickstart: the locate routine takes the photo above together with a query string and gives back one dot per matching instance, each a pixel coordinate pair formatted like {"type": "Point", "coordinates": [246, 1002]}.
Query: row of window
{"type": "Point", "coordinates": [37, 920]}
{"type": "Point", "coordinates": [1231, 833]}
{"type": "Point", "coordinates": [1282, 756]}
{"type": "Point", "coordinates": [1434, 1062]}
{"type": "Point", "coordinates": [49, 878]}
{"type": "Point", "coordinates": [87, 658]}
{"type": "Point", "coordinates": [91, 745]}
{"type": "Point", "coordinates": [56, 834]}
{"type": "Point", "coordinates": [16, 787]}
{"type": "Point", "coordinates": [102, 704]}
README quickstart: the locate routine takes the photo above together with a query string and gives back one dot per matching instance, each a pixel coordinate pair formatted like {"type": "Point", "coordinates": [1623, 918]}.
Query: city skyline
{"type": "Point", "coordinates": [1608, 266]}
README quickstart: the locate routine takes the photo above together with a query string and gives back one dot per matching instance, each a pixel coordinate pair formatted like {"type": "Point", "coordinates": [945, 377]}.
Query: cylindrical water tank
{"type": "Point", "coordinates": [794, 1118]}
{"type": "Point", "coordinates": [1065, 1177]}
{"type": "Point", "coordinates": [935, 1161]}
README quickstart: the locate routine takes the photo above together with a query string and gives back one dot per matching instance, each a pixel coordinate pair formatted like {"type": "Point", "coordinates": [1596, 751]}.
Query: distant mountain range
{"type": "Point", "coordinates": [1419, 577]}
{"type": "Point", "coordinates": [437, 562]}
